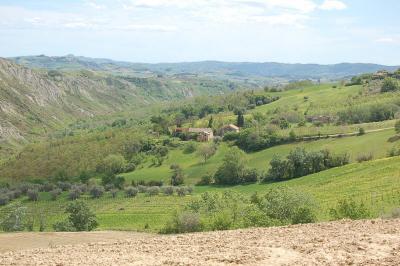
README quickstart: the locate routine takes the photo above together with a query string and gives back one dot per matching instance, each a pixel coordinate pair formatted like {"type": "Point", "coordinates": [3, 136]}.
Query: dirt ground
{"type": "Point", "coordinates": [375, 242]}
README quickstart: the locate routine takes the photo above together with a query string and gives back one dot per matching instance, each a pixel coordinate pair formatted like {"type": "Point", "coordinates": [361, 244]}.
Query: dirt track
{"type": "Point", "coordinates": [374, 242]}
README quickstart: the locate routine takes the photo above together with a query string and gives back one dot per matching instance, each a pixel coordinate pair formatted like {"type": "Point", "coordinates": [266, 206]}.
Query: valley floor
{"type": "Point", "coordinates": [368, 242]}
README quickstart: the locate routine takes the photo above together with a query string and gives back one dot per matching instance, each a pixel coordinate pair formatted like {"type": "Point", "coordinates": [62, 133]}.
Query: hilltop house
{"type": "Point", "coordinates": [203, 134]}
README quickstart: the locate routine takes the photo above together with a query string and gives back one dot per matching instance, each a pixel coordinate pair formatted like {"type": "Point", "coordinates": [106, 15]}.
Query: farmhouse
{"type": "Point", "coordinates": [203, 134]}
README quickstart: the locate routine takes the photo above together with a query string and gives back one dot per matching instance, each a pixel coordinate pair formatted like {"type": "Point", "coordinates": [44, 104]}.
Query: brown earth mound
{"type": "Point", "coordinates": [375, 242]}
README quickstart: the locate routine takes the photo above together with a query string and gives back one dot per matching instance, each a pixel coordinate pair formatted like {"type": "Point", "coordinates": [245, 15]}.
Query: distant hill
{"type": "Point", "coordinates": [210, 68]}
{"type": "Point", "coordinates": [35, 101]}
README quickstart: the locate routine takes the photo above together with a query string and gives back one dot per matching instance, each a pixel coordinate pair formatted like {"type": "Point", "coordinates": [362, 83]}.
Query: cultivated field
{"type": "Point", "coordinates": [368, 242]}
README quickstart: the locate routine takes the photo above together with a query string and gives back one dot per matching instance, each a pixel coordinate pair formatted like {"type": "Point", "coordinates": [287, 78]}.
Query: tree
{"type": "Point", "coordinates": [81, 217]}
{"type": "Point", "coordinates": [240, 119]}
{"type": "Point", "coordinates": [232, 169]}
{"type": "Point", "coordinates": [178, 176]}
{"type": "Point", "coordinates": [206, 151]}
{"type": "Point", "coordinates": [210, 122]}
{"type": "Point", "coordinates": [397, 126]}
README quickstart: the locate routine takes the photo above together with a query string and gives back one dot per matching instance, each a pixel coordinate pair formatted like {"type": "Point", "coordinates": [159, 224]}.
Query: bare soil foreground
{"type": "Point", "coordinates": [374, 242]}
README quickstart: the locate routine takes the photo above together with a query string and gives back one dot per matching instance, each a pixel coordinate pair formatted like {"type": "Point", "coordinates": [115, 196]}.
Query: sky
{"type": "Point", "coordinates": [287, 31]}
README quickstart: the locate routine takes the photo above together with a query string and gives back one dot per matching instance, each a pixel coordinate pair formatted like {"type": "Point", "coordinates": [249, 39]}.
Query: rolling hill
{"type": "Point", "coordinates": [217, 69]}
{"type": "Point", "coordinates": [34, 101]}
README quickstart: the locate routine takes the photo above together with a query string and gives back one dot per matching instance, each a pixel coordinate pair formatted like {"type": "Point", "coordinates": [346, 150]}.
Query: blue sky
{"type": "Point", "coordinates": [290, 31]}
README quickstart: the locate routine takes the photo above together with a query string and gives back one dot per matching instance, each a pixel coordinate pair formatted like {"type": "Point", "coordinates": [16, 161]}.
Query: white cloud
{"type": "Point", "coordinates": [386, 40]}
{"type": "Point", "coordinates": [95, 5]}
{"type": "Point", "coordinates": [145, 27]}
{"type": "Point", "coordinates": [333, 5]}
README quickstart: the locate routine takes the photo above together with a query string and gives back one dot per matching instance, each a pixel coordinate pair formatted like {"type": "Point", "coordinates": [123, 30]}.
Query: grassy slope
{"type": "Point", "coordinates": [377, 183]}
{"type": "Point", "coordinates": [375, 143]}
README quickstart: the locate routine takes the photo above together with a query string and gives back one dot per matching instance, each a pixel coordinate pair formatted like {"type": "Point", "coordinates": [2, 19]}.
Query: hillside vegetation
{"type": "Point", "coordinates": [316, 151]}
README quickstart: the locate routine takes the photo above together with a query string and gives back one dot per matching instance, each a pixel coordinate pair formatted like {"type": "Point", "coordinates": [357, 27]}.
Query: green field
{"type": "Point", "coordinates": [375, 143]}
{"type": "Point", "coordinates": [376, 183]}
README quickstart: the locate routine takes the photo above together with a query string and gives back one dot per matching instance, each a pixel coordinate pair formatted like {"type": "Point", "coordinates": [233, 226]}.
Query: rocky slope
{"type": "Point", "coordinates": [35, 101]}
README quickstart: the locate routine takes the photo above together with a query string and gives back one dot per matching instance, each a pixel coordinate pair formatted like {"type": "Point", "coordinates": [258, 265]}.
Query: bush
{"type": "Point", "coordinates": [4, 199]}
{"type": "Point", "coordinates": [365, 157]}
{"type": "Point", "coordinates": [96, 191]}
{"type": "Point", "coordinates": [80, 218]}
{"type": "Point", "coordinates": [390, 84]}
{"type": "Point", "coordinates": [168, 190]}
{"type": "Point", "coordinates": [349, 209]}
{"type": "Point", "coordinates": [55, 193]}
{"type": "Point", "coordinates": [181, 191]}
{"type": "Point", "coordinates": [33, 194]}
{"type": "Point", "coordinates": [63, 226]}
{"type": "Point", "coordinates": [112, 164]}
{"type": "Point", "coordinates": [206, 180]}
{"type": "Point", "coordinates": [153, 191]}
{"type": "Point", "coordinates": [178, 176]}
{"type": "Point", "coordinates": [47, 187]}
{"type": "Point", "coordinates": [190, 147]}
{"type": "Point", "coordinates": [131, 192]}
{"type": "Point", "coordinates": [288, 206]}
{"type": "Point", "coordinates": [111, 179]}
{"type": "Point", "coordinates": [185, 222]}
{"type": "Point", "coordinates": [250, 176]}
{"type": "Point", "coordinates": [14, 220]}
{"type": "Point", "coordinates": [142, 189]}
{"type": "Point", "coordinates": [394, 152]}
{"type": "Point", "coordinates": [74, 194]}
{"type": "Point", "coordinates": [361, 131]}
{"type": "Point", "coordinates": [64, 186]}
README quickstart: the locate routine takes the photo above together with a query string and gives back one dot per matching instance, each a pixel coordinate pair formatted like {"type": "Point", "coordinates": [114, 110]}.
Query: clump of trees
{"type": "Point", "coordinates": [349, 208]}
{"type": "Point", "coordinates": [368, 113]}
{"type": "Point", "coordinates": [301, 163]}
{"type": "Point", "coordinates": [233, 170]}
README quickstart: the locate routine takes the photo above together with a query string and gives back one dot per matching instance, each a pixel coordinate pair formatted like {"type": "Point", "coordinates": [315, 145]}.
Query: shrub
{"type": "Point", "coordinates": [4, 199]}
{"type": "Point", "coordinates": [288, 206]}
{"type": "Point", "coordinates": [74, 194]}
{"type": "Point", "coordinates": [390, 84]}
{"type": "Point", "coordinates": [178, 176]}
{"type": "Point", "coordinates": [250, 176]}
{"type": "Point", "coordinates": [190, 147]}
{"type": "Point", "coordinates": [142, 189]}
{"type": "Point", "coordinates": [185, 222]}
{"type": "Point", "coordinates": [64, 186]}
{"type": "Point", "coordinates": [47, 187]}
{"type": "Point", "coordinates": [96, 191]}
{"type": "Point", "coordinates": [349, 209]}
{"type": "Point", "coordinates": [168, 190]}
{"type": "Point", "coordinates": [14, 220]}
{"type": "Point", "coordinates": [365, 157]}
{"type": "Point", "coordinates": [33, 194]}
{"type": "Point", "coordinates": [80, 218]}
{"type": "Point", "coordinates": [131, 192]}
{"type": "Point", "coordinates": [63, 226]}
{"type": "Point", "coordinates": [361, 131]}
{"type": "Point", "coordinates": [55, 193]}
{"type": "Point", "coordinates": [153, 191]}
{"type": "Point", "coordinates": [206, 180]}
{"type": "Point", "coordinates": [181, 191]}
{"type": "Point", "coordinates": [393, 152]}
